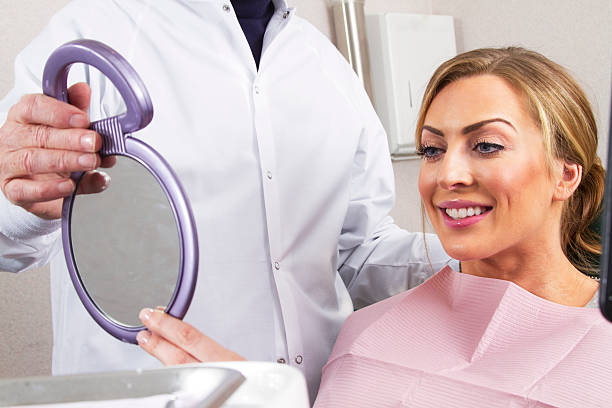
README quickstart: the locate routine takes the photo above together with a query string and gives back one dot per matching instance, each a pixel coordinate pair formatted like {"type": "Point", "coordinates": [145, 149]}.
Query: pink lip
{"type": "Point", "coordinates": [464, 222]}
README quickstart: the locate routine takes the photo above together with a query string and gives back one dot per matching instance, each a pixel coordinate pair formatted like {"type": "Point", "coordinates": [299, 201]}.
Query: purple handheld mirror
{"type": "Point", "coordinates": [135, 244]}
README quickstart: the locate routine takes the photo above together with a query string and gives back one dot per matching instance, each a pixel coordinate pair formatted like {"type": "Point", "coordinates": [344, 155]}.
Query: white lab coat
{"type": "Point", "coordinates": [286, 166]}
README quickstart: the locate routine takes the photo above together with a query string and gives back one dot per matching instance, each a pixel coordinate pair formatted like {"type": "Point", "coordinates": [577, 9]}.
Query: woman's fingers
{"type": "Point", "coordinates": [186, 340]}
{"type": "Point", "coordinates": [163, 350]}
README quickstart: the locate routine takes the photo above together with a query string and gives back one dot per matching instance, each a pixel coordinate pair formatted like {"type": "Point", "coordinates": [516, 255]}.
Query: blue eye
{"type": "Point", "coordinates": [485, 148]}
{"type": "Point", "coordinates": [429, 152]}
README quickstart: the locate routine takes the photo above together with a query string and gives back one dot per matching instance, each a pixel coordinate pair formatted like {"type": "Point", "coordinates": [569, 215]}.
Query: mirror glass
{"type": "Point", "coordinates": [125, 243]}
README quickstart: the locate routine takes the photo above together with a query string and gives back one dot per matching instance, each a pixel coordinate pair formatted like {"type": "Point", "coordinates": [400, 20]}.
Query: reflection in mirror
{"type": "Point", "coordinates": [125, 243]}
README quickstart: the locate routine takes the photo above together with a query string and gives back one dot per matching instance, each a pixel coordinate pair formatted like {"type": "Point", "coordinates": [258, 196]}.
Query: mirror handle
{"type": "Point", "coordinates": [139, 111]}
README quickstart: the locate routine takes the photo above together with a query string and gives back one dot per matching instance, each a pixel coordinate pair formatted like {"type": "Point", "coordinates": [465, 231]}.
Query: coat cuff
{"type": "Point", "coordinates": [19, 224]}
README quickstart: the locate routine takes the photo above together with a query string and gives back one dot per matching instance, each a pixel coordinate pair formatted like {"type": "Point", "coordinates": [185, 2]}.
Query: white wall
{"type": "Point", "coordinates": [574, 33]}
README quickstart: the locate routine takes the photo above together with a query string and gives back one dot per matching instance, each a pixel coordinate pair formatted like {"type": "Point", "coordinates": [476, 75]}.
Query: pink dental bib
{"type": "Point", "coordinates": [463, 341]}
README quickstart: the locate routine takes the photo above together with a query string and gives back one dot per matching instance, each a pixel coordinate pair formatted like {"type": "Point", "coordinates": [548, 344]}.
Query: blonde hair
{"type": "Point", "coordinates": [566, 120]}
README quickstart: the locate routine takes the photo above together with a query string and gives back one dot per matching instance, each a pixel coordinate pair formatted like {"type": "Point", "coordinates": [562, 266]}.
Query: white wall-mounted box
{"type": "Point", "coordinates": [405, 50]}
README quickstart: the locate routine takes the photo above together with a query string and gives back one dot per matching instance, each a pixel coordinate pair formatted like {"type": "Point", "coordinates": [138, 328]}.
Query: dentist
{"type": "Point", "coordinates": [283, 157]}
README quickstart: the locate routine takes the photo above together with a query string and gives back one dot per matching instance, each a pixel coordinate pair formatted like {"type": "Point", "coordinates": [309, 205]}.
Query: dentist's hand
{"type": "Point", "coordinates": [42, 141]}
{"type": "Point", "coordinates": [173, 341]}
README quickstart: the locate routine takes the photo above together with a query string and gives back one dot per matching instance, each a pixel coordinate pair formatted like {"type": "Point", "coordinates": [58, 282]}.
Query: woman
{"type": "Point", "coordinates": [511, 181]}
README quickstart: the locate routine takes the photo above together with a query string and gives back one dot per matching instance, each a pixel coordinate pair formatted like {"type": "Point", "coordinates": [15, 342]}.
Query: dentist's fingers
{"type": "Point", "coordinates": [25, 192]}
{"type": "Point", "coordinates": [41, 142]}
{"type": "Point", "coordinates": [48, 210]}
{"type": "Point", "coordinates": [32, 161]}
{"type": "Point", "coordinates": [20, 136]}
{"type": "Point", "coordinates": [28, 193]}
{"type": "Point", "coordinates": [44, 122]}
{"type": "Point", "coordinates": [186, 340]}
{"type": "Point", "coordinates": [108, 162]}
{"type": "Point", "coordinates": [45, 110]}
{"type": "Point", "coordinates": [94, 182]}
{"type": "Point", "coordinates": [79, 95]}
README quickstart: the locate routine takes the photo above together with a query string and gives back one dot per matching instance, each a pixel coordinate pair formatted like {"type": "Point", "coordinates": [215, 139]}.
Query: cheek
{"type": "Point", "coordinates": [518, 187]}
{"type": "Point", "coordinates": [427, 188]}
{"type": "Point", "coordinates": [505, 184]}
{"type": "Point", "coordinates": [426, 184]}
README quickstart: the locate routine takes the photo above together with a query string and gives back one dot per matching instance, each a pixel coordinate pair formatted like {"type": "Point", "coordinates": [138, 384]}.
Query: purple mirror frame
{"type": "Point", "coordinates": [117, 141]}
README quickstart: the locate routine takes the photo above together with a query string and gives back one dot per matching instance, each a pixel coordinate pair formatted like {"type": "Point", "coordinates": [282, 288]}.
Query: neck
{"type": "Point", "coordinates": [542, 269]}
{"type": "Point", "coordinates": [537, 264]}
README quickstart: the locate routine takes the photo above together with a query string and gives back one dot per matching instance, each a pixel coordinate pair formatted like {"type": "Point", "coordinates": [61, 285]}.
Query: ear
{"type": "Point", "coordinates": [568, 178]}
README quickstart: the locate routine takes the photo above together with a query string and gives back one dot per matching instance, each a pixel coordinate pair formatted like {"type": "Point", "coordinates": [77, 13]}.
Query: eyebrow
{"type": "Point", "coordinates": [470, 128]}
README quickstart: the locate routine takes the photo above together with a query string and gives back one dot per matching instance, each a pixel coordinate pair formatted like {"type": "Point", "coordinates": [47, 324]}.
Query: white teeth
{"type": "Point", "coordinates": [460, 213]}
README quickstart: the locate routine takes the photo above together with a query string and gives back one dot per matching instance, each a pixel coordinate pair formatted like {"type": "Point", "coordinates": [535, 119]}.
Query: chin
{"type": "Point", "coordinates": [462, 252]}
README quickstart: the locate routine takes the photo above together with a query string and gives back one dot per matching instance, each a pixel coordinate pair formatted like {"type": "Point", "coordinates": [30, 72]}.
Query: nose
{"type": "Point", "coordinates": [455, 170]}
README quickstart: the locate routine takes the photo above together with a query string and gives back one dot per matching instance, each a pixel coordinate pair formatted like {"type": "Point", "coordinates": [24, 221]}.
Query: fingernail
{"type": "Point", "coordinates": [107, 180]}
{"type": "Point", "coordinates": [66, 187]}
{"type": "Point", "coordinates": [145, 314]}
{"type": "Point", "coordinates": [88, 161]}
{"type": "Point", "coordinates": [162, 308]}
{"type": "Point", "coordinates": [79, 121]}
{"type": "Point", "coordinates": [143, 337]}
{"type": "Point", "coordinates": [87, 141]}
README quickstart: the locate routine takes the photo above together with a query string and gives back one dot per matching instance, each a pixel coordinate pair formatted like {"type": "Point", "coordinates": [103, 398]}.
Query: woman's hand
{"type": "Point", "coordinates": [173, 341]}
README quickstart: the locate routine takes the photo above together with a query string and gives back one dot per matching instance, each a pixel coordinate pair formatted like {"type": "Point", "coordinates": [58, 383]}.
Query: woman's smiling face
{"type": "Point", "coordinates": [484, 179]}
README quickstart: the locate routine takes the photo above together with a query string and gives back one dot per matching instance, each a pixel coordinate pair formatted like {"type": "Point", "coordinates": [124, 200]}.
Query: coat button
{"type": "Point", "coordinates": [286, 14]}
{"type": "Point", "coordinates": [269, 175]}
{"type": "Point", "coordinates": [276, 266]}
{"type": "Point", "coordinates": [281, 361]}
{"type": "Point", "coordinates": [299, 359]}
{"type": "Point", "coordinates": [226, 8]}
